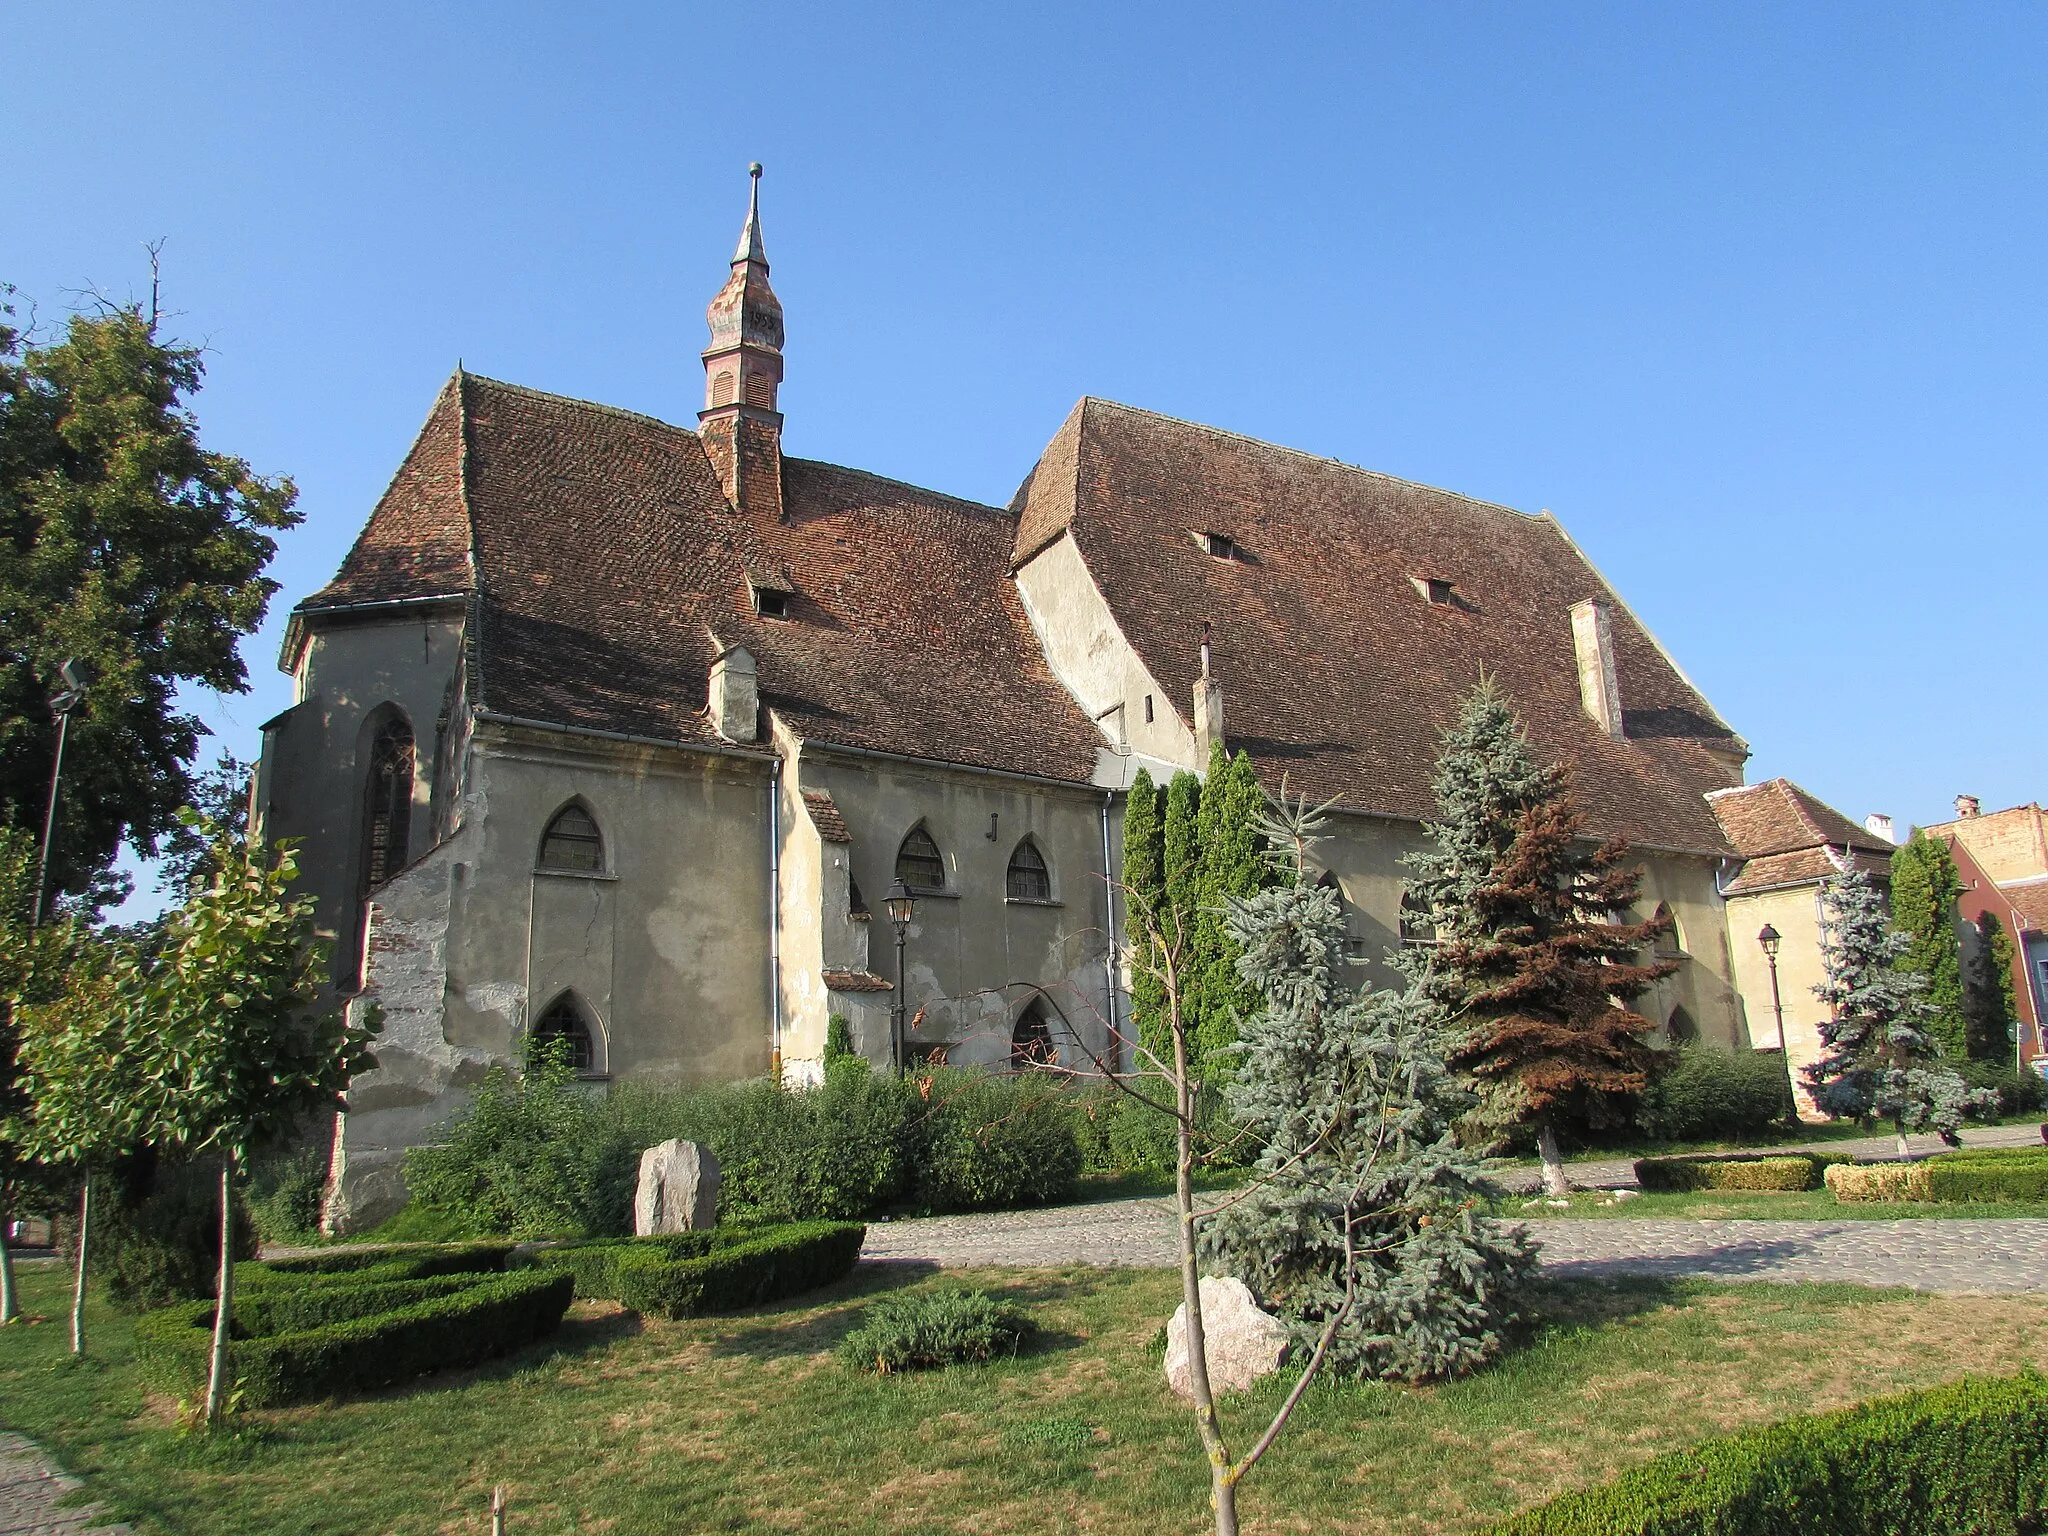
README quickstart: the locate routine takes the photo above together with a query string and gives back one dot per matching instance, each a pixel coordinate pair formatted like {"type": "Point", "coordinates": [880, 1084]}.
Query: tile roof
{"type": "Point", "coordinates": [1787, 837]}
{"type": "Point", "coordinates": [825, 816]}
{"type": "Point", "coordinates": [606, 556]}
{"type": "Point", "coordinates": [1334, 669]}
{"type": "Point", "coordinates": [2029, 898]}
{"type": "Point", "coordinates": [857, 981]}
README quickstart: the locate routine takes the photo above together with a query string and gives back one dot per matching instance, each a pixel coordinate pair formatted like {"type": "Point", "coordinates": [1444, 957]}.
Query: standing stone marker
{"type": "Point", "coordinates": [1241, 1342]}
{"type": "Point", "coordinates": [678, 1189]}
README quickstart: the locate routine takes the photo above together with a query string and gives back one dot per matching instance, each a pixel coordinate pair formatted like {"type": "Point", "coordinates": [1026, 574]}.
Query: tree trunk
{"type": "Point", "coordinates": [1554, 1182]}
{"type": "Point", "coordinates": [223, 1292]}
{"type": "Point", "coordinates": [1899, 1132]}
{"type": "Point", "coordinates": [78, 1282]}
{"type": "Point", "coordinates": [1222, 1489]}
{"type": "Point", "coordinates": [10, 1306]}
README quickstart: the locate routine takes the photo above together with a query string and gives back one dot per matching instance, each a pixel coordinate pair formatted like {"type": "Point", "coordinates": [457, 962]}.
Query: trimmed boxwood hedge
{"type": "Point", "coordinates": [1780, 1171]}
{"type": "Point", "coordinates": [1968, 1457]}
{"type": "Point", "coordinates": [367, 1265]}
{"type": "Point", "coordinates": [721, 1270]}
{"type": "Point", "coordinates": [314, 1340]}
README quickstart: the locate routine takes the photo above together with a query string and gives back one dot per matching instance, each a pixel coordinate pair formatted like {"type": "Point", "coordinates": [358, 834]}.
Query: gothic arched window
{"type": "Point", "coordinates": [387, 807]}
{"type": "Point", "coordinates": [1669, 944]}
{"type": "Point", "coordinates": [1679, 1029]}
{"type": "Point", "coordinates": [918, 864]}
{"type": "Point", "coordinates": [572, 841]}
{"type": "Point", "coordinates": [1417, 926]}
{"type": "Point", "coordinates": [1031, 1044]}
{"type": "Point", "coordinates": [564, 1023]}
{"type": "Point", "coordinates": [1028, 878]}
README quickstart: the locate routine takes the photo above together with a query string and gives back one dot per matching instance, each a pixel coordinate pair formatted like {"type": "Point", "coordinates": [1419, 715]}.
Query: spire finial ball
{"type": "Point", "coordinates": [754, 170]}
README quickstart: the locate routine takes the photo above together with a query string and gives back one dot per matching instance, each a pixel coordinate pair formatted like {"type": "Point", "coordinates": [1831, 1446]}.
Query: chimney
{"type": "Point", "coordinates": [1593, 642]}
{"type": "Point", "coordinates": [1967, 806]}
{"type": "Point", "coordinates": [735, 703]}
{"type": "Point", "coordinates": [1208, 705]}
{"type": "Point", "coordinates": [1880, 825]}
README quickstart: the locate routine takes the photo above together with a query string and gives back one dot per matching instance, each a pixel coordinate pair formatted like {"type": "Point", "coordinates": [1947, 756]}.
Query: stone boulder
{"type": "Point", "coordinates": [1242, 1343]}
{"type": "Point", "coordinates": [678, 1189]}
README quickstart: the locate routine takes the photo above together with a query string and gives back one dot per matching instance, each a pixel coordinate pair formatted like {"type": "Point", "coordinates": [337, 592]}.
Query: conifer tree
{"type": "Point", "coordinates": [1233, 867]}
{"type": "Point", "coordinates": [1180, 878]}
{"type": "Point", "coordinates": [1537, 987]}
{"type": "Point", "coordinates": [1989, 999]}
{"type": "Point", "coordinates": [1362, 1223]}
{"type": "Point", "coordinates": [1879, 1058]}
{"type": "Point", "coordinates": [1925, 888]}
{"type": "Point", "coordinates": [1144, 889]}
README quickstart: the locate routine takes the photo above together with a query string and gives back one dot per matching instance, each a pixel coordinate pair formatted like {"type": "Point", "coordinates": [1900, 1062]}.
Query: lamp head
{"type": "Point", "coordinates": [899, 904]}
{"type": "Point", "coordinates": [1769, 939]}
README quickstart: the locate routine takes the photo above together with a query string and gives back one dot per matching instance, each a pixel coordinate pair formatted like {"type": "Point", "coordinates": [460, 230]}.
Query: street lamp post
{"type": "Point", "coordinates": [61, 706]}
{"type": "Point", "coordinates": [1770, 940]}
{"type": "Point", "coordinates": [899, 904]}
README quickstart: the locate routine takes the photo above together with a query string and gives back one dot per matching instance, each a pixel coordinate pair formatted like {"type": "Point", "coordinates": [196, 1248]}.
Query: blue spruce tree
{"type": "Point", "coordinates": [1880, 1060]}
{"type": "Point", "coordinates": [1363, 1222]}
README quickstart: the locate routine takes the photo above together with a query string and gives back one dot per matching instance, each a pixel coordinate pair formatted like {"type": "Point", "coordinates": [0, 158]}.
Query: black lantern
{"type": "Point", "coordinates": [1770, 941]}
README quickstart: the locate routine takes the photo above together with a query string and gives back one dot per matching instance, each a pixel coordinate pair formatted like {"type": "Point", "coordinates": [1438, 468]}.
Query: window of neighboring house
{"type": "Point", "coordinates": [388, 803]}
{"type": "Point", "coordinates": [572, 841]}
{"type": "Point", "coordinates": [918, 864]}
{"type": "Point", "coordinates": [1417, 926]}
{"type": "Point", "coordinates": [564, 1022]}
{"type": "Point", "coordinates": [1028, 879]}
{"type": "Point", "coordinates": [1031, 1046]}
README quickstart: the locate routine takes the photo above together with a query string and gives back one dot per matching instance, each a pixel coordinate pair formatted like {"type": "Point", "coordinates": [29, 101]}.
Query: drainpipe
{"type": "Point", "coordinates": [775, 920]}
{"type": "Point", "coordinates": [1109, 959]}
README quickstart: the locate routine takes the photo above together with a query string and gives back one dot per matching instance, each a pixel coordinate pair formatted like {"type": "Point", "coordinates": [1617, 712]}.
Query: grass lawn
{"type": "Point", "coordinates": [746, 1423]}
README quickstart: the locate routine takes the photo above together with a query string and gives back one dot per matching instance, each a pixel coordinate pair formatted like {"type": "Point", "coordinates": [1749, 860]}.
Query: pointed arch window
{"type": "Point", "coordinates": [573, 842]}
{"type": "Point", "coordinates": [1417, 924]}
{"type": "Point", "coordinates": [1031, 1044]}
{"type": "Point", "coordinates": [1680, 1029]}
{"type": "Point", "coordinates": [1028, 878]}
{"type": "Point", "coordinates": [387, 811]}
{"type": "Point", "coordinates": [918, 862]}
{"type": "Point", "coordinates": [564, 1024]}
{"type": "Point", "coordinates": [1354, 944]}
{"type": "Point", "coordinates": [1670, 944]}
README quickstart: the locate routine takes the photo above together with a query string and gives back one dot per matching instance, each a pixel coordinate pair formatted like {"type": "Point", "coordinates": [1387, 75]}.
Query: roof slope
{"type": "Point", "coordinates": [607, 556]}
{"type": "Point", "coordinates": [416, 543]}
{"type": "Point", "coordinates": [1787, 837]}
{"type": "Point", "coordinates": [1335, 669]}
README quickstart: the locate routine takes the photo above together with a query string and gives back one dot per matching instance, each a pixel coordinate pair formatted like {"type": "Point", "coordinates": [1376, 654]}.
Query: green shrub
{"type": "Point", "coordinates": [372, 1265]}
{"type": "Point", "coordinates": [267, 1309]}
{"type": "Point", "coordinates": [286, 1191]}
{"type": "Point", "coordinates": [1963, 1180]}
{"type": "Point", "coordinates": [927, 1329]}
{"type": "Point", "coordinates": [484, 1316]}
{"type": "Point", "coordinates": [1711, 1095]}
{"type": "Point", "coordinates": [1968, 1457]}
{"type": "Point", "coordinates": [1789, 1171]}
{"type": "Point", "coordinates": [523, 1160]}
{"type": "Point", "coordinates": [1859, 1182]}
{"type": "Point", "coordinates": [986, 1142]}
{"type": "Point", "coordinates": [158, 1240]}
{"type": "Point", "coordinates": [2019, 1093]}
{"type": "Point", "coordinates": [720, 1271]}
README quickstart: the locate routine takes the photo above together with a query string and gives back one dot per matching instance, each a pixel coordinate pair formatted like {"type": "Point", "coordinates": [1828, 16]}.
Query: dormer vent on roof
{"type": "Point", "coordinates": [735, 695]}
{"type": "Point", "coordinates": [1218, 546]}
{"type": "Point", "coordinates": [1593, 644]}
{"type": "Point", "coordinates": [1435, 590]}
{"type": "Point", "coordinates": [770, 593]}
{"type": "Point", "coordinates": [740, 425]}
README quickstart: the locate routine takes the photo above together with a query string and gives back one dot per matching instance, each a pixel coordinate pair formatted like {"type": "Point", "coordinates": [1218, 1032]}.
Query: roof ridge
{"type": "Point", "coordinates": [575, 400]}
{"type": "Point", "coordinates": [922, 490]}
{"type": "Point", "coordinates": [1317, 458]}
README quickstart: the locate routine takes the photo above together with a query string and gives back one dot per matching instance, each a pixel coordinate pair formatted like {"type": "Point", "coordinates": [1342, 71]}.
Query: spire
{"type": "Point", "coordinates": [740, 425]}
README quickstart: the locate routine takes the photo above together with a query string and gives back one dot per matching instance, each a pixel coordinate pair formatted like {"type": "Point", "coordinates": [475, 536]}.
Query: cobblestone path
{"type": "Point", "coordinates": [31, 1485]}
{"type": "Point", "coordinates": [1927, 1254]}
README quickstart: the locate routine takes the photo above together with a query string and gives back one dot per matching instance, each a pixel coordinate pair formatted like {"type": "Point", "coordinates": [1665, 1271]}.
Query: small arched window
{"type": "Point", "coordinates": [918, 864]}
{"type": "Point", "coordinates": [387, 809]}
{"type": "Point", "coordinates": [1031, 1046]}
{"type": "Point", "coordinates": [1669, 944]}
{"type": "Point", "coordinates": [564, 1023]}
{"type": "Point", "coordinates": [1354, 944]}
{"type": "Point", "coordinates": [1028, 878]}
{"type": "Point", "coordinates": [1417, 926]}
{"type": "Point", "coordinates": [1679, 1029]}
{"type": "Point", "coordinates": [572, 841]}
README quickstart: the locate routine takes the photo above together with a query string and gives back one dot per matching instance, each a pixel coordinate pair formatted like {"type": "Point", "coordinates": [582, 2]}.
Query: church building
{"type": "Point", "coordinates": [624, 733]}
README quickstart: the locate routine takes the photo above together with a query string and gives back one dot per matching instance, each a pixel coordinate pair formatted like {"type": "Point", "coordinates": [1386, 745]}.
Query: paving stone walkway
{"type": "Point", "coordinates": [30, 1488]}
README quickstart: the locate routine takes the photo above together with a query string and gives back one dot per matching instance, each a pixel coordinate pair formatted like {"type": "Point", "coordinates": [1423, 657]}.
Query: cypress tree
{"type": "Point", "coordinates": [1144, 891]}
{"type": "Point", "coordinates": [1173, 912]}
{"type": "Point", "coordinates": [1538, 989]}
{"type": "Point", "coordinates": [1925, 888]}
{"type": "Point", "coordinates": [1233, 866]}
{"type": "Point", "coordinates": [1880, 1059]}
{"type": "Point", "coordinates": [1989, 999]}
{"type": "Point", "coordinates": [1363, 1214]}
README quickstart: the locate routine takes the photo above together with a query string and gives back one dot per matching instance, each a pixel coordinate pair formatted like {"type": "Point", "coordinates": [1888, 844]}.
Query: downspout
{"type": "Point", "coordinates": [774, 920]}
{"type": "Point", "coordinates": [1109, 959]}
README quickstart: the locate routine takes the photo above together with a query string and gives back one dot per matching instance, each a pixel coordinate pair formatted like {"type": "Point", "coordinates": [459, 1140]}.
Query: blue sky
{"type": "Point", "coordinates": [1751, 297]}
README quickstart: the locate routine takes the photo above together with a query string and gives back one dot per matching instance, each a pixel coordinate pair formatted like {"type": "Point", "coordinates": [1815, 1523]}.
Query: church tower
{"type": "Point", "coordinates": [740, 426]}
